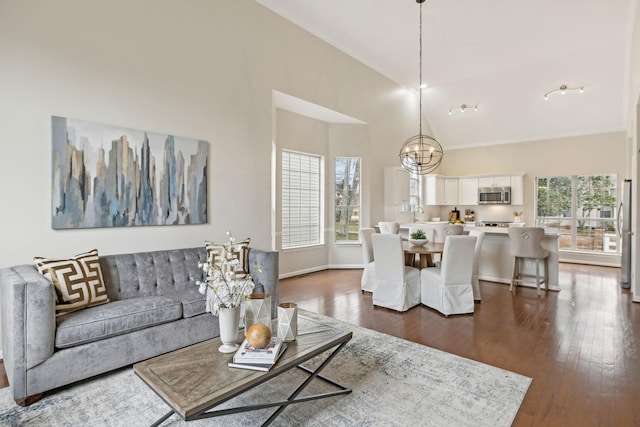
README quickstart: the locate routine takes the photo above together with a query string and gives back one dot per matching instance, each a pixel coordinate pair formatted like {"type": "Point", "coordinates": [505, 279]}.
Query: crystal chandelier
{"type": "Point", "coordinates": [421, 154]}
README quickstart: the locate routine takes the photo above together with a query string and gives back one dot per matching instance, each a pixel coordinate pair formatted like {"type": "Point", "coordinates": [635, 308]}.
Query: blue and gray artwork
{"type": "Point", "coordinates": [107, 176]}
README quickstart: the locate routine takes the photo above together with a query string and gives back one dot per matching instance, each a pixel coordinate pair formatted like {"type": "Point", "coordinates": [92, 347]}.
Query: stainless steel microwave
{"type": "Point", "coordinates": [494, 195]}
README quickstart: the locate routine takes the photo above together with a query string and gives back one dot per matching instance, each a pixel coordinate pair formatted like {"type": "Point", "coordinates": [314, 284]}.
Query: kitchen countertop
{"type": "Point", "coordinates": [499, 230]}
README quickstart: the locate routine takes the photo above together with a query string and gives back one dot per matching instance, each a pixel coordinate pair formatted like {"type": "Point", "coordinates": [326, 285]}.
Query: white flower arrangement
{"type": "Point", "coordinates": [221, 286]}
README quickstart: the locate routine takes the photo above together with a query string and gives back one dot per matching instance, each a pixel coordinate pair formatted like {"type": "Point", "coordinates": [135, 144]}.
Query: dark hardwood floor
{"type": "Point", "coordinates": [581, 345]}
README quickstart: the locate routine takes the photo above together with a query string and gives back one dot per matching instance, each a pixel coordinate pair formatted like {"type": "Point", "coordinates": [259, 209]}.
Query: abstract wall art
{"type": "Point", "coordinates": [109, 176]}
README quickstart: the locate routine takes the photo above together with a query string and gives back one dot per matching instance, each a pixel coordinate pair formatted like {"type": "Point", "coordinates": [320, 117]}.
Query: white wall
{"type": "Point", "coordinates": [201, 69]}
{"type": "Point", "coordinates": [206, 71]}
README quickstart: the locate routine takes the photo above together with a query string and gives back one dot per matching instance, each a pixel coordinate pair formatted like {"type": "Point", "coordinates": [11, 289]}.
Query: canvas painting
{"type": "Point", "coordinates": [109, 176]}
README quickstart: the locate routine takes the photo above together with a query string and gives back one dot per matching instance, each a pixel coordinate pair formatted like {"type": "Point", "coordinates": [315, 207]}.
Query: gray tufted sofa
{"type": "Point", "coordinates": [155, 308]}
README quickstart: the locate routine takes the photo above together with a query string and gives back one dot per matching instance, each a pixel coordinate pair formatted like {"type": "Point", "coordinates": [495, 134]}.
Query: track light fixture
{"type": "Point", "coordinates": [463, 108]}
{"type": "Point", "coordinates": [563, 89]}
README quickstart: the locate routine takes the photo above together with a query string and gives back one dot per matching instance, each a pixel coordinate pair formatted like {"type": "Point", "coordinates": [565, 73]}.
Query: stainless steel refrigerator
{"type": "Point", "coordinates": [625, 233]}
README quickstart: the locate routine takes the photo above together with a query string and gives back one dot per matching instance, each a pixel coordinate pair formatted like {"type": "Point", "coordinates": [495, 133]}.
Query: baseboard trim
{"type": "Point", "coordinates": [321, 268]}
{"type": "Point", "coordinates": [346, 266]}
{"type": "Point", "coordinates": [301, 272]}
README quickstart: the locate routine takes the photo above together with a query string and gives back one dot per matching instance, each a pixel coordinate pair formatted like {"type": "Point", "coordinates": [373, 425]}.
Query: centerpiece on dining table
{"type": "Point", "coordinates": [418, 238]}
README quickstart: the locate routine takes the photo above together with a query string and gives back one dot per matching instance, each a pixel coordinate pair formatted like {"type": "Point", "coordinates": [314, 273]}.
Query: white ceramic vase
{"type": "Point", "coordinates": [257, 309]}
{"type": "Point", "coordinates": [229, 319]}
{"type": "Point", "coordinates": [287, 321]}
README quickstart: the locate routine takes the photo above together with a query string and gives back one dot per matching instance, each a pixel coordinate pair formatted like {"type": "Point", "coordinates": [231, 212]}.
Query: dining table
{"type": "Point", "coordinates": [425, 251]}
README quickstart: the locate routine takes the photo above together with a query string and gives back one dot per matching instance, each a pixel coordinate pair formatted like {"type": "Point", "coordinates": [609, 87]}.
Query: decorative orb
{"type": "Point", "coordinates": [259, 335]}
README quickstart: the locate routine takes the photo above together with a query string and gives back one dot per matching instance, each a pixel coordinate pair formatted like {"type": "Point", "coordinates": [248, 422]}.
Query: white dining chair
{"type": "Point", "coordinates": [441, 231]}
{"type": "Point", "coordinates": [476, 263]}
{"type": "Point", "coordinates": [389, 227]}
{"type": "Point", "coordinates": [447, 287]}
{"type": "Point", "coordinates": [368, 281]}
{"type": "Point", "coordinates": [526, 243]}
{"type": "Point", "coordinates": [397, 285]}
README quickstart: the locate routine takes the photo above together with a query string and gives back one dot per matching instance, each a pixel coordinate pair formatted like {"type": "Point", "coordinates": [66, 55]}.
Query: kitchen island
{"type": "Point", "coordinates": [496, 262]}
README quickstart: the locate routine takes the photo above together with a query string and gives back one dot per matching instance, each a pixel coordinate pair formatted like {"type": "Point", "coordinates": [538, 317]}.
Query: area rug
{"type": "Point", "coordinates": [395, 383]}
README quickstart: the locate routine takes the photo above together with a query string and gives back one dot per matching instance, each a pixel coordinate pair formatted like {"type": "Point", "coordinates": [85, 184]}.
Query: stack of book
{"type": "Point", "coordinates": [258, 359]}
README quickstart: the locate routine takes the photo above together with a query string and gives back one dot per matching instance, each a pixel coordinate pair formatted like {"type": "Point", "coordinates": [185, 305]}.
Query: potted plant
{"type": "Point", "coordinates": [418, 238]}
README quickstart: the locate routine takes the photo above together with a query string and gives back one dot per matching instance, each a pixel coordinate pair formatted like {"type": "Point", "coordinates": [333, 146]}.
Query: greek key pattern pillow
{"type": "Point", "coordinates": [237, 251]}
{"type": "Point", "coordinates": [77, 281]}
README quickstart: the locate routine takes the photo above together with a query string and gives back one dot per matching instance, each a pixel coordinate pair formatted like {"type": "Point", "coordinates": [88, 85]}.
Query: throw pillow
{"type": "Point", "coordinates": [239, 250]}
{"type": "Point", "coordinates": [77, 281]}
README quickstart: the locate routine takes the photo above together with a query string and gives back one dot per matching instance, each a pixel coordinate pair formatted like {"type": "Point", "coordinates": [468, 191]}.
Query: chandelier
{"type": "Point", "coordinates": [421, 154]}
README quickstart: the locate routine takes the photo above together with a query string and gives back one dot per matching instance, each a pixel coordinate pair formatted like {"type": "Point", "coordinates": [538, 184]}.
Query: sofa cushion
{"type": "Point", "coordinates": [77, 281]}
{"type": "Point", "coordinates": [115, 318]}
{"type": "Point", "coordinates": [236, 251]}
{"type": "Point", "coordinates": [193, 302]}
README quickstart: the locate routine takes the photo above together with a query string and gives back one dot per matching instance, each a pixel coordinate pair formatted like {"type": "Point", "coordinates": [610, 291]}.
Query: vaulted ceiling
{"type": "Point", "coordinates": [502, 55]}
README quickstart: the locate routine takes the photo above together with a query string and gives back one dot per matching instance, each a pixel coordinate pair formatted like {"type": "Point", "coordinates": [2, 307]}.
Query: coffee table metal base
{"type": "Point", "coordinates": [293, 398]}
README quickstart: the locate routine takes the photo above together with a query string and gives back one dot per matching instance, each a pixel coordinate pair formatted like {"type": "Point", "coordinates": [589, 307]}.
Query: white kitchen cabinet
{"type": "Point", "coordinates": [517, 190]}
{"type": "Point", "coordinates": [440, 190]}
{"type": "Point", "coordinates": [494, 181]}
{"type": "Point", "coordinates": [396, 186]}
{"type": "Point", "coordinates": [451, 191]}
{"type": "Point", "coordinates": [467, 191]}
{"type": "Point", "coordinates": [433, 186]}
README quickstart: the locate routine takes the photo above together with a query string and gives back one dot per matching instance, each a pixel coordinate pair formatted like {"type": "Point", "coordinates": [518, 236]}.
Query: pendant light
{"type": "Point", "coordinates": [421, 154]}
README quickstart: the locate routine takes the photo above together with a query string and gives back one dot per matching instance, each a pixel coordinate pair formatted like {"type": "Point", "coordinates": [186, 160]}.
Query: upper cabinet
{"type": "Point", "coordinates": [467, 191]}
{"type": "Point", "coordinates": [517, 189]}
{"type": "Point", "coordinates": [494, 181]}
{"type": "Point", "coordinates": [516, 182]}
{"type": "Point", "coordinates": [440, 190]}
{"type": "Point", "coordinates": [451, 191]}
{"type": "Point", "coordinates": [396, 186]}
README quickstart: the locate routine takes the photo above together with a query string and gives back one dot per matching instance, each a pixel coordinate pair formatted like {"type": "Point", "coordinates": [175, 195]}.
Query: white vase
{"type": "Point", "coordinates": [257, 310]}
{"type": "Point", "coordinates": [229, 319]}
{"type": "Point", "coordinates": [287, 321]}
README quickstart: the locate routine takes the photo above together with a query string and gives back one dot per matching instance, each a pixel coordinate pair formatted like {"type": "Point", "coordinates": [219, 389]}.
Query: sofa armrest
{"type": "Point", "coordinates": [28, 322]}
{"type": "Point", "coordinates": [264, 268]}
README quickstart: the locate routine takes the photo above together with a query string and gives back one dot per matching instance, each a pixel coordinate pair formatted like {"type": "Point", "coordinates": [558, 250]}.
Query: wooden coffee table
{"type": "Point", "coordinates": [196, 379]}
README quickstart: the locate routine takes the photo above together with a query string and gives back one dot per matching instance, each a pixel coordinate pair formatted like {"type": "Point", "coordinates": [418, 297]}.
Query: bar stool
{"type": "Point", "coordinates": [526, 244]}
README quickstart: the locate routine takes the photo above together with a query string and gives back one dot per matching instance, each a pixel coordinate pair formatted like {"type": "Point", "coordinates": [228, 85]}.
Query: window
{"type": "Point", "coordinates": [347, 199]}
{"type": "Point", "coordinates": [301, 199]}
{"type": "Point", "coordinates": [580, 209]}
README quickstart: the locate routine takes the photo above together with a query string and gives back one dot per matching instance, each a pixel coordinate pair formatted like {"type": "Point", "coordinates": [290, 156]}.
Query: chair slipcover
{"type": "Point", "coordinates": [397, 285]}
{"type": "Point", "coordinates": [526, 242]}
{"type": "Point", "coordinates": [476, 264]}
{"type": "Point", "coordinates": [388, 227]}
{"type": "Point", "coordinates": [444, 230]}
{"type": "Point", "coordinates": [447, 287]}
{"type": "Point", "coordinates": [441, 231]}
{"type": "Point", "coordinates": [368, 281]}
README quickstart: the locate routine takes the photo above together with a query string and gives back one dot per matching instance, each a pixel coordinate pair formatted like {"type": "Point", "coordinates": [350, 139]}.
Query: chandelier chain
{"type": "Point", "coordinates": [420, 154]}
{"type": "Point", "coordinates": [420, 74]}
